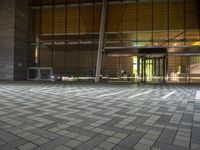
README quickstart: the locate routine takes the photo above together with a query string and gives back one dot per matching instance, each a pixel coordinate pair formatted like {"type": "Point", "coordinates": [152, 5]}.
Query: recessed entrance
{"type": "Point", "coordinates": [149, 68]}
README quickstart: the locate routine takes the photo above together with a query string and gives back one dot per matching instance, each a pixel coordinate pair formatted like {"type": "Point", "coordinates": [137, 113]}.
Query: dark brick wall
{"type": "Point", "coordinates": [21, 39]}
{"type": "Point", "coordinates": [7, 24]}
{"type": "Point", "coordinates": [13, 39]}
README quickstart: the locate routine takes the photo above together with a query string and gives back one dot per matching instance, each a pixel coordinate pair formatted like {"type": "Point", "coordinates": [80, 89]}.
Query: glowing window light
{"type": "Point", "coordinates": [196, 43]}
{"type": "Point", "coordinates": [36, 55]}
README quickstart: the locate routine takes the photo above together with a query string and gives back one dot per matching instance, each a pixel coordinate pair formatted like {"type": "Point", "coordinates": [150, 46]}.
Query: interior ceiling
{"type": "Point", "coordinates": [49, 2]}
{"type": "Point", "coordinates": [129, 51]}
{"type": "Point", "coordinates": [116, 30]}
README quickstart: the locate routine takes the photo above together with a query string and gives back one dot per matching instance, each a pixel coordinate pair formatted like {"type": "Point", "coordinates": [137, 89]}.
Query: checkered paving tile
{"type": "Point", "coordinates": [88, 116]}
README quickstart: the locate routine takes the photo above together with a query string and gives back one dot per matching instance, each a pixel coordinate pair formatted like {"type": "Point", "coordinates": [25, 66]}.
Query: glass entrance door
{"type": "Point", "coordinates": [151, 69]}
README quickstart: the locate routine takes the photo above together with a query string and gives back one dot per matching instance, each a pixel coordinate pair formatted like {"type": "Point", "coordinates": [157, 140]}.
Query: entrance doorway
{"type": "Point", "coordinates": [150, 69]}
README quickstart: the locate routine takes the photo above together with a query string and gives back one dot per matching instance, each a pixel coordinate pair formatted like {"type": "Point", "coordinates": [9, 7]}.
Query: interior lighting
{"type": "Point", "coordinates": [196, 43]}
{"type": "Point", "coordinates": [36, 55]}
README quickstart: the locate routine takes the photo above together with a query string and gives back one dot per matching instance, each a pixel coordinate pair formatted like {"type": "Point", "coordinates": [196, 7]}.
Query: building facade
{"type": "Point", "coordinates": [134, 40]}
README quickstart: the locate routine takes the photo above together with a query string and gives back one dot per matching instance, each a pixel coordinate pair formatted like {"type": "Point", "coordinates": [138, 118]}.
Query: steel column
{"type": "Point", "coordinates": [144, 72]}
{"type": "Point", "coordinates": [138, 66]}
{"type": "Point", "coordinates": [101, 40]}
{"type": "Point", "coordinates": [52, 34]}
{"type": "Point", "coordinates": [167, 67]}
{"type": "Point", "coordinates": [164, 68]}
{"type": "Point", "coordinates": [66, 17]}
{"type": "Point", "coordinates": [39, 43]}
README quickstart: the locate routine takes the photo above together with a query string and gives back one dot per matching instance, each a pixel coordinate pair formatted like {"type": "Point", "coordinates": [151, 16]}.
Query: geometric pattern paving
{"type": "Point", "coordinates": [88, 116]}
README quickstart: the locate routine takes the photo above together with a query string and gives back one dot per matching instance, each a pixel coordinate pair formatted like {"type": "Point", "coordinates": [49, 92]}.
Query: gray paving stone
{"type": "Point", "coordinates": [41, 141]}
{"type": "Point", "coordinates": [73, 143]}
{"type": "Point", "coordinates": [81, 131]}
{"type": "Point", "coordinates": [142, 147]}
{"type": "Point", "coordinates": [25, 134]}
{"type": "Point", "coordinates": [108, 132]}
{"type": "Point", "coordinates": [154, 132]}
{"type": "Point", "coordinates": [45, 134]}
{"type": "Point", "coordinates": [184, 134]}
{"type": "Point", "coordinates": [62, 148]}
{"type": "Point", "coordinates": [32, 137]}
{"type": "Point", "coordinates": [72, 135]}
{"type": "Point", "coordinates": [131, 140]}
{"type": "Point", "coordinates": [27, 146]}
{"type": "Point", "coordinates": [8, 137]}
{"type": "Point", "coordinates": [182, 138]}
{"type": "Point", "coordinates": [182, 143]}
{"type": "Point", "coordinates": [166, 146]}
{"type": "Point", "coordinates": [13, 144]}
{"type": "Point", "coordinates": [82, 138]}
{"type": "Point", "coordinates": [154, 148]}
{"type": "Point", "coordinates": [93, 142]}
{"type": "Point", "coordinates": [114, 140]}
{"type": "Point", "coordinates": [146, 142]}
{"type": "Point", "coordinates": [143, 130]}
{"type": "Point", "coordinates": [51, 115]}
{"type": "Point", "coordinates": [118, 147]}
{"type": "Point", "coordinates": [167, 136]}
{"type": "Point", "coordinates": [195, 146]}
{"type": "Point", "coordinates": [98, 130]}
{"type": "Point", "coordinates": [53, 144]}
{"type": "Point", "coordinates": [97, 148]}
{"type": "Point", "coordinates": [106, 145]}
{"type": "Point", "coordinates": [63, 132]}
{"type": "Point", "coordinates": [120, 135]}
{"type": "Point", "coordinates": [2, 142]}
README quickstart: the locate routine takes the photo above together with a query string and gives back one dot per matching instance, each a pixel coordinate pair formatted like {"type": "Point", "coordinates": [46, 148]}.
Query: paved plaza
{"type": "Point", "coordinates": [88, 116]}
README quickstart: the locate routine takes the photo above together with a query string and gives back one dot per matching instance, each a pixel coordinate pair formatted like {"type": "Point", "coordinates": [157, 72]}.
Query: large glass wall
{"type": "Point", "coordinates": [183, 69]}
{"type": "Point", "coordinates": [66, 33]}
{"type": "Point", "coordinates": [152, 23]}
